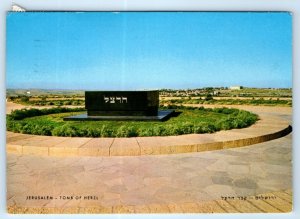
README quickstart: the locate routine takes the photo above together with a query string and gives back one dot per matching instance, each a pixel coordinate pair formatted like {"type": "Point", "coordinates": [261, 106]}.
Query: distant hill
{"type": "Point", "coordinates": [38, 92]}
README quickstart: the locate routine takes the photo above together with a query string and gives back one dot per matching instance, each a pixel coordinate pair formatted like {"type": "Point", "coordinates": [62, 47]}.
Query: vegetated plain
{"type": "Point", "coordinates": [189, 120]}
{"type": "Point", "coordinates": [207, 100]}
{"type": "Point", "coordinates": [210, 95]}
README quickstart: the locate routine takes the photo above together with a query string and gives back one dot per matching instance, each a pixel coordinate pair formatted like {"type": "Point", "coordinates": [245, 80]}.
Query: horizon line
{"type": "Point", "coordinates": [73, 89]}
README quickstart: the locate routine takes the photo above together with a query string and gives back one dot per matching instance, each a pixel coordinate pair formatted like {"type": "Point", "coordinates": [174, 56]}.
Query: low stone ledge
{"type": "Point", "coordinates": [131, 147]}
{"type": "Point", "coordinates": [266, 129]}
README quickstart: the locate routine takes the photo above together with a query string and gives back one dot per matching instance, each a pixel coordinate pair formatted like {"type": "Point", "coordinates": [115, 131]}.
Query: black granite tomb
{"type": "Point", "coordinates": [122, 105]}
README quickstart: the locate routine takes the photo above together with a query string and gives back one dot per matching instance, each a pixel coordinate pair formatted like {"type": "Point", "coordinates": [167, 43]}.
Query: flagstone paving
{"type": "Point", "coordinates": [161, 183]}
{"type": "Point", "coordinates": [255, 178]}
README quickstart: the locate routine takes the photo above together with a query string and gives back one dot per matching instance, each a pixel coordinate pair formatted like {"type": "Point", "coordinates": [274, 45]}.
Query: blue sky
{"type": "Point", "coordinates": [148, 50]}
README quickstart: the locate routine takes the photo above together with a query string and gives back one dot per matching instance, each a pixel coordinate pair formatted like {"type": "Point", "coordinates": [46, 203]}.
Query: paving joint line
{"type": "Point", "coordinates": [139, 146]}
{"type": "Point", "coordinates": [111, 146]}
{"type": "Point", "coordinates": [85, 143]}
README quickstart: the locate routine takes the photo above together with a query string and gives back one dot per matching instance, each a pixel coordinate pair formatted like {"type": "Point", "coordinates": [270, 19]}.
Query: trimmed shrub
{"type": "Point", "coordinates": [106, 131]}
{"type": "Point", "coordinates": [204, 128]}
{"type": "Point", "coordinates": [124, 131]}
{"type": "Point", "coordinates": [187, 128]}
{"type": "Point", "coordinates": [65, 130]}
{"type": "Point", "coordinates": [53, 125]}
{"type": "Point", "coordinates": [93, 132]}
{"type": "Point", "coordinates": [145, 132]}
{"type": "Point", "coordinates": [159, 131]}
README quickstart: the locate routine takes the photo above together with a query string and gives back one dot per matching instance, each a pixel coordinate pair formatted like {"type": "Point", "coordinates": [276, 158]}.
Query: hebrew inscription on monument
{"type": "Point", "coordinates": [122, 105]}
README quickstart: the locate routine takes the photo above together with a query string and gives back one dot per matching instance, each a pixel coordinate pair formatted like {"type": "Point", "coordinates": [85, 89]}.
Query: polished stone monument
{"type": "Point", "coordinates": [122, 105]}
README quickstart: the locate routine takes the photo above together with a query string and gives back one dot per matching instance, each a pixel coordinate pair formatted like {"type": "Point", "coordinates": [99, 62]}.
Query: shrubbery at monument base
{"type": "Point", "coordinates": [191, 120]}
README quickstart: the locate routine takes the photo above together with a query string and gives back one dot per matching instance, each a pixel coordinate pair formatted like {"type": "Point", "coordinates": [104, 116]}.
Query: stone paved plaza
{"type": "Point", "coordinates": [254, 178]}
{"type": "Point", "coordinates": [151, 180]}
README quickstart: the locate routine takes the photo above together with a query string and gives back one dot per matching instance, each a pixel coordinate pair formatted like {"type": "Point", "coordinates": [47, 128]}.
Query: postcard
{"type": "Point", "coordinates": [149, 112]}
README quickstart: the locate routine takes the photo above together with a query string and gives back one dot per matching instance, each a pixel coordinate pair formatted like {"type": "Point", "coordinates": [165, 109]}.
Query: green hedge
{"type": "Point", "coordinates": [224, 119]}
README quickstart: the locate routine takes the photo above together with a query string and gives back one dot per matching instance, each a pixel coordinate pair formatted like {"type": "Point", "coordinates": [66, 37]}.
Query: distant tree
{"type": "Point", "coordinates": [209, 89]}
{"type": "Point", "coordinates": [209, 97]}
{"type": "Point", "coordinates": [44, 98]}
{"type": "Point", "coordinates": [11, 98]}
{"type": "Point", "coordinates": [24, 99]}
